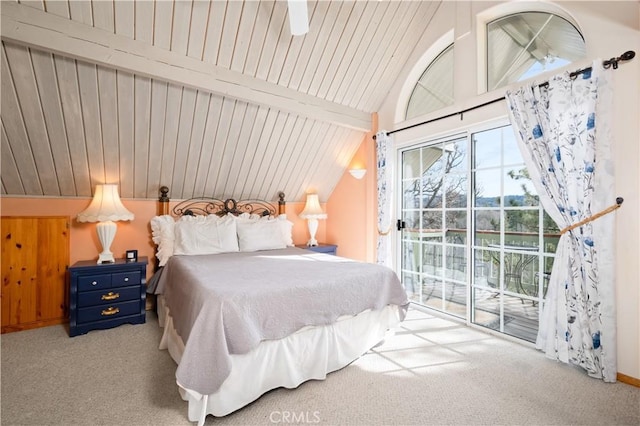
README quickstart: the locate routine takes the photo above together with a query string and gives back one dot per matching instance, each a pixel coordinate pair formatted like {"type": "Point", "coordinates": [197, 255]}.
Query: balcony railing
{"type": "Point", "coordinates": [435, 264]}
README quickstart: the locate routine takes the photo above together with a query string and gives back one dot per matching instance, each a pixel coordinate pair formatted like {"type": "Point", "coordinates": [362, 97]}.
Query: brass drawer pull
{"type": "Point", "coordinates": [111, 311]}
{"type": "Point", "coordinates": [110, 296]}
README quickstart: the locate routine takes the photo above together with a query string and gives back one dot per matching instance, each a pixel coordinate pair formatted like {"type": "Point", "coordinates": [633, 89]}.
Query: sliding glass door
{"type": "Point", "coordinates": [434, 234]}
{"type": "Point", "coordinates": [514, 240]}
{"type": "Point", "coordinates": [475, 242]}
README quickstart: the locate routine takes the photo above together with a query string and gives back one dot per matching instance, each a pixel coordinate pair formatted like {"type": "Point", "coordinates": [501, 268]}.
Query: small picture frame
{"type": "Point", "coordinates": [131, 256]}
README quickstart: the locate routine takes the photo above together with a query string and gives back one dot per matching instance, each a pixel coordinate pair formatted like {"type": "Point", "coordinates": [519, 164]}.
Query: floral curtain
{"type": "Point", "coordinates": [564, 135]}
{"type": "Point", "coordinates": [384, 154]}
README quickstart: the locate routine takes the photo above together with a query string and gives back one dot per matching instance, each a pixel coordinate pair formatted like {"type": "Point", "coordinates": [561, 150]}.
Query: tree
{"type": "Point", "coordinates": [438, 187]}
{"type": "Point", "coordinates": [526, 220]}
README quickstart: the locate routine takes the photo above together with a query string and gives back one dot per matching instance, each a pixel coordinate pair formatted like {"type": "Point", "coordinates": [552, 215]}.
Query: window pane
{"type": "Point", "coordinates": [519, 270]}
{"type": "Point", "coordinates": [456, 267]}
{"type": "Point", "coordinates": [412, 222]}
{"type": "Point", "coordinates": [432, 192]}
{"type": "Point", "coordinates": [411, 192]}
{"type": "Point", "coordinates": [411, 284]}
{"type": "Point", "coordinates": [432, 259]}
{"type": "Point", "coordinates": [511, 150]}
{"type": "Point", "coordinates": [487, 227]}
{"type": "Point", "coordinates": [432, 178]}
{"type": "Point", "coordinates": [487, 148]}
{"type": "Point", "coordinates": [521, 227]}
{"type": "Point", "coordinates": [487, 268]}
{"type": "Point", "coordinates": [455, 296]}
{"type": "Point", "coordinates": [432, 224]}
{"type": "Point", "coordinates": [456, 227]}
{"type": "Point", "coordinates": [522, 45]}
{"type": "Point", "coordinates": [410, 260]}
{"type": "Point", "coordinates": [432, 292]}
{"type": "Point", "coordinates": [434, 89]}
{"type": "Point", "coordinates": [455, 154]}
{"type": "Point", "coordinates": [411, 164]}
{"type": "Point", "coordinates": [518, 188]}
{"type": "Point", "coordinates": [488, 188]}
{"type": "Point", "coordinates": [431, 160]}
{"type": "Point", "coordinates": [455, 187]}
{"type": "Point", "coordinates": [520, 318]}
{"type": "Point", "coordinates": [486, 310]}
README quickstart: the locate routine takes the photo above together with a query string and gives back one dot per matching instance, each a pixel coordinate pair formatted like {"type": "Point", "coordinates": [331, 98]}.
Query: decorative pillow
{"type": "Point", "coordinates": [162, 232]}
{"type": "Point", "coordinates": [205, 235]}
{"type": "Point", "coordinates": [257, 235]}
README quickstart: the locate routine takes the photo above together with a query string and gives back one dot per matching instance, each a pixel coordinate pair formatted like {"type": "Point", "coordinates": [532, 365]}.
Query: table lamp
{"type": "Point", "coordinates": [312, 212]}
{"type": "Point", "coordinates": [105, 208]}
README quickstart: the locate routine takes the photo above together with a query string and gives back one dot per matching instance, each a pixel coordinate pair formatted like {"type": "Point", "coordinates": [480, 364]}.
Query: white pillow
{"type": "Point", "coordinates": [246, 217]}
{"type": "Point", "coordinates": [286, 226]}
{"type": "Point", "coordinates": [205, 235]}
{"type": "Point", "coordinates": [162, 231]}
{"type": "Point", "coordinates": [262, 236]}
{"type": "Point", "coordinates": [257, 235]}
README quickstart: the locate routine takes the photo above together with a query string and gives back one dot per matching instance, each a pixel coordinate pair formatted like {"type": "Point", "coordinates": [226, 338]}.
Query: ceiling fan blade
{"type": "Point", "coordinates": [298, 17]}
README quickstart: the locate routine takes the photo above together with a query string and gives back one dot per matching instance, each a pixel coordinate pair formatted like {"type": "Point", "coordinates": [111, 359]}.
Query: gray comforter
{"type": "Point", "coordinates": [226, 304]}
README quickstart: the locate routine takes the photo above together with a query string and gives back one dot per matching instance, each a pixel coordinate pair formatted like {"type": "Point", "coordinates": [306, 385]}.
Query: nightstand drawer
{"type": "Point", "coordinates": [125, 278]}
{"type": "Point", "coordinates": [108, 296]}
{"type": "Point", "coordinates": [94, 282]}
{"type": "Point", "coordinates": [111, 311]}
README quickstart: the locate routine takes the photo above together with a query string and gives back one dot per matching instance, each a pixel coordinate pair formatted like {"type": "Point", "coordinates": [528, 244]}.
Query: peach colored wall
{"type": "Point", "coordinates": [84, 243]}
{"type": "Point", "coordinates": [352, 206]}
{"type": "Point", "coordinates": [134, 235]}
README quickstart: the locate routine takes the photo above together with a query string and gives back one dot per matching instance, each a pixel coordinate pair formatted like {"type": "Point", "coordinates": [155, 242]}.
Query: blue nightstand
{"type": "Point", "coordinates": [320, 248]}
{"type": "Point", "coordinates": [107, 295]}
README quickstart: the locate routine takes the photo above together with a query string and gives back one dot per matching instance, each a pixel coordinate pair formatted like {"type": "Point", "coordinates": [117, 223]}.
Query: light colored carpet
{"type": "Point", "coordinates": [433, 371]}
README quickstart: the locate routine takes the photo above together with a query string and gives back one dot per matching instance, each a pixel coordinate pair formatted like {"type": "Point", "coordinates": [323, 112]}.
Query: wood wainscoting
{"type": "Point", "coordinates": [35, 257]}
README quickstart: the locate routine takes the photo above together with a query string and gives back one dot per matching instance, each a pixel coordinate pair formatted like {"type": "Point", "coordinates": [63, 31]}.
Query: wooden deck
{"type": "Point", "coordinates": [520, 315]}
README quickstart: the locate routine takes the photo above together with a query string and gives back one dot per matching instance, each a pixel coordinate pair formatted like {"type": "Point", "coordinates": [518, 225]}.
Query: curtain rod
{"type": "Point", "coordinates": [613, 62]}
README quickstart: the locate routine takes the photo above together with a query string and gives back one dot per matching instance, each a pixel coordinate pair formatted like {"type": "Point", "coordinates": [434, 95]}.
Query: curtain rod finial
{"type": "Point", "coordinates": [628, 55]}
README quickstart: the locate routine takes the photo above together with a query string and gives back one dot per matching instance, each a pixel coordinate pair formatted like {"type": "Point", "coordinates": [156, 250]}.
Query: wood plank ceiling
{"type": "Point", "coordinates": [209, 98]}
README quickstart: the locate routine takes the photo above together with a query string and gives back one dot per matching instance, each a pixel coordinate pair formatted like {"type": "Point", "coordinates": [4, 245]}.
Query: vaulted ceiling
{"type": "Point", "coordinates": [210, 98]}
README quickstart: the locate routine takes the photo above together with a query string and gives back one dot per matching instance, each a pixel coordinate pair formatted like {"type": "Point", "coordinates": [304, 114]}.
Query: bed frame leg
{"type": "Point", "coordinates": [203, 413]}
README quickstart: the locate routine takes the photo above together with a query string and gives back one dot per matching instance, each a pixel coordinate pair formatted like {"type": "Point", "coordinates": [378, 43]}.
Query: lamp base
{"type": "Point", "coordinates": [312, 223]}
{"type": "Point", "coordinates": [106, 232]}
{"type": "Point", "coordinates": [106, 258]}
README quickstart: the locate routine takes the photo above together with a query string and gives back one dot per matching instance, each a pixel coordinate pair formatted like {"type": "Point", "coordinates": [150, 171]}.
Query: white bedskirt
{"type": "Point", "coordinates": [310, 353]}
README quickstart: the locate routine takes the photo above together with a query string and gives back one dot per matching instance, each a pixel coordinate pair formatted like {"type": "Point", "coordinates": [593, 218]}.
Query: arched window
{"type": "Point", "coordinates": [434, 89]}
{"type": "Point", "coordinates": [525, 44]}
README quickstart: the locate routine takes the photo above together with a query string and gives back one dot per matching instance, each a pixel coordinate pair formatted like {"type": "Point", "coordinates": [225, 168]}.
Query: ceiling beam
{"type": "Point", "coordinates": [32, 27]}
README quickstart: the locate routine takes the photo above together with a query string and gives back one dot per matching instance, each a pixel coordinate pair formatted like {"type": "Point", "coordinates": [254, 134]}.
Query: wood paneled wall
{"type": "Point", "coordinates": [35, 256]}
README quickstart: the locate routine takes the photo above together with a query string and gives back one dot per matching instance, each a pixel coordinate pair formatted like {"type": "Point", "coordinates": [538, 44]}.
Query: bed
{"type": "Point", "coordinates": [244, 312]}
